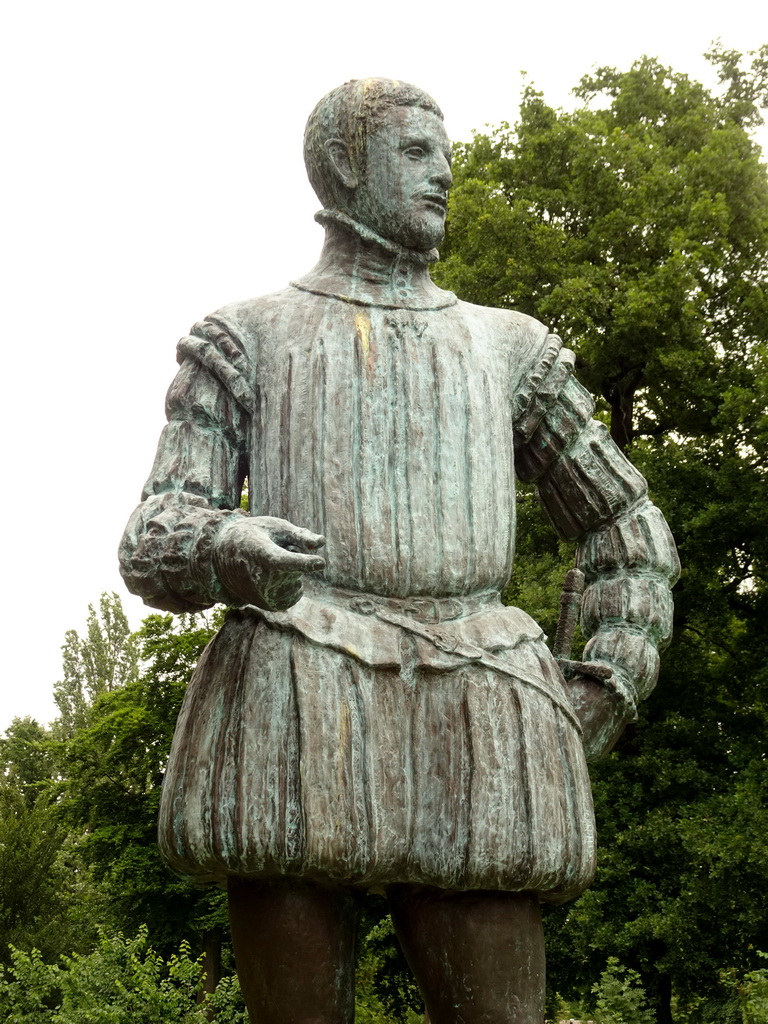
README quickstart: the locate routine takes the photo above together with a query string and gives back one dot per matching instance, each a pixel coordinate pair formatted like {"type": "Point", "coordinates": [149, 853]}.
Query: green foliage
{"type": "Point", "coordinates": [619, 997]}
{"type": "Point", "coordinates": [753, 995]}
{"type": "Point", "coordinates": [27, 758]}
{"type": "Point", "coordinates": [376, 1003]}
{"type": "Point", "coordinates": [636, 225]}
{"type": "Point", "coordinates": [48, 897]}
{"type": "Point", "coordinates": [387, 992]}
{"type": "Point", "coordinates": [746, 1003]}
{"type": "Point", "coordinates": [78, 804]}
{"type": "Point", "coordinates": [560, 1009]}
{"type": "Point", "coordinates": [30, 840]}
{"type": "Point", "coordinates": [102, 662]}
{"type": "Point", "coordinates": [122, 981]}
{"type": "Point", "coordinates": [541, 562]}
{"type": "Point", "coordinates": [113, 769]}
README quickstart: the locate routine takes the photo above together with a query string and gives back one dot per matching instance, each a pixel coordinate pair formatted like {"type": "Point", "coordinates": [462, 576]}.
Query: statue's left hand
{"type": "Point", "coordinates": [600, 709]}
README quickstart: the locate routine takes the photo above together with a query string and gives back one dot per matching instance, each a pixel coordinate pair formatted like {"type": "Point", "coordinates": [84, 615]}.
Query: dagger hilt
{"type": "Point", "coordinates": [570, 606]}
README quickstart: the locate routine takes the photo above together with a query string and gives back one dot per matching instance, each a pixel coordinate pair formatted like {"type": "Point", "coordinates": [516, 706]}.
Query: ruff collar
{"type": "Point", "coordinates": [359, 266]}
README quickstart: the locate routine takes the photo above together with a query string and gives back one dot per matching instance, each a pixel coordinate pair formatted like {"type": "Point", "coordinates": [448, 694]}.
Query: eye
{"type": "Point", "coordinates": [415, 152]}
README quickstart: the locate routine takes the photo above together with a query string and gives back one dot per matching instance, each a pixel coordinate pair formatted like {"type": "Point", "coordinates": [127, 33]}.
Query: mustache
{"type": "Point", "coordinates": [434, 195]}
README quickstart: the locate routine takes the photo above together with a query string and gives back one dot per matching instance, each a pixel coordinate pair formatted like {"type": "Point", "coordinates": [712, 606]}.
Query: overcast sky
{"type": "Point", "coordinates": [153, 172]}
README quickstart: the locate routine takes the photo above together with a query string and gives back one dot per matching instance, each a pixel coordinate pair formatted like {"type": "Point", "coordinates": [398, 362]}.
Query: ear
{"type": "Point", "coordinates": [338, 154]}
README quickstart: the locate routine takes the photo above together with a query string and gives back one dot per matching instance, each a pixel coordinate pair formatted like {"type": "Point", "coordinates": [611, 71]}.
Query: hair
{"type": "Point", "coordinates": [352, 112]}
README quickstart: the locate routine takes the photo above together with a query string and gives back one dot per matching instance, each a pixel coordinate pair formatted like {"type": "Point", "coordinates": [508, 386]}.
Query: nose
{"type": "Point", "coordinates": [441, 173]}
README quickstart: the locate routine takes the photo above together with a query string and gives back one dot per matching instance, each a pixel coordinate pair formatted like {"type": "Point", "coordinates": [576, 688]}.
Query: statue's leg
{"type": "Point", "coordinates": [478, 956]}
{"type": "Point", "coordinates": [295, 950]}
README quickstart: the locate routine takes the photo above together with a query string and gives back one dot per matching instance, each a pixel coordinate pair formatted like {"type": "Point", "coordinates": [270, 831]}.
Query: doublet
{"type": "Point", "coordinates": [398, 724]}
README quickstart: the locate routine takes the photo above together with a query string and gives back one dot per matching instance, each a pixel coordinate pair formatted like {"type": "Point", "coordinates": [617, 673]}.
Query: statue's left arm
{"type": "Point", "coordinates": [595, 497]}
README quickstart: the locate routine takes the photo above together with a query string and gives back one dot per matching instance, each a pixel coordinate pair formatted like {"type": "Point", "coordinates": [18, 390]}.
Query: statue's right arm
{"type": "Point", "coordinates": [188, 545]}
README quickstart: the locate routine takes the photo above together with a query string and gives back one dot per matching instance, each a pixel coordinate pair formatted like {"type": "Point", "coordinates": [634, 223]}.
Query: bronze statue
{"type": "Point", "coordinates": [373, 716]}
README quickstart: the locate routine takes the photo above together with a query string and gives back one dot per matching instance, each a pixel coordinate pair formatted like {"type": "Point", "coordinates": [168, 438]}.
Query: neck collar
{"type": "Point", "coordinates": [359, 266]}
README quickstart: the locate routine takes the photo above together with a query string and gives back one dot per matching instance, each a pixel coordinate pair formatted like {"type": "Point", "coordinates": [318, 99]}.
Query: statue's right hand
{"type": "Point", "coordinates": [260, 560]}
{"type": "Point", "coordinates": [599, 705]}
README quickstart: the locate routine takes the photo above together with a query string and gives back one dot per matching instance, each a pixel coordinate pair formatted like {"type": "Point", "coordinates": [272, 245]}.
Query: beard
{"type": "Point", "coordinates": [422, 231]}
{"type": "Point", "coordinates": [413, 225]}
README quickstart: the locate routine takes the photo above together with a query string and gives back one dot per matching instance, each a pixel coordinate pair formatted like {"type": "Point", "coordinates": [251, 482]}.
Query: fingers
{"type": "Point", "coordinates": [293, 561]}
{"type": "Point", "coordinates": [299, 536]}
{"type": "Point", "coordinates": [288, 536]}
{"type": "Point", "coordinates": [296, 542]}
{"type": "Point", "coordinates": [591, 669]}
{"type": "Point", "coordinates": [275, 556]}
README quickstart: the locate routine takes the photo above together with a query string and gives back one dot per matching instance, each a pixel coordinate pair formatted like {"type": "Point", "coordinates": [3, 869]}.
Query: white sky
{"type": "Point", "coordinates": [153, 172]}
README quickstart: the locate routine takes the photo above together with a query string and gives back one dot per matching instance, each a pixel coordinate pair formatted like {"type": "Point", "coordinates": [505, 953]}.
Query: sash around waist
{"type": "Point", "coordinates": [446, 633]}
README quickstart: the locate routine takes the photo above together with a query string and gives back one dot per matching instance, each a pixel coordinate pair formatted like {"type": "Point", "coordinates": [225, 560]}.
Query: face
{"type": "Point", "coordinates": [408, 173]}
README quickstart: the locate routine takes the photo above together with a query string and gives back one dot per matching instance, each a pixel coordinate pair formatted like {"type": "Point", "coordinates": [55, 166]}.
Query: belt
{"type": "Point", "coordinates": [428, 610]}
{"type": "Point", "coordinates": [422, 617]}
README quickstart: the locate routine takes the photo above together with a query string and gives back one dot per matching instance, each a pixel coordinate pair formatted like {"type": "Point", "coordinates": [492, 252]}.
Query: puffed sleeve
{"type": "Point", "coordinates": [197, 477]}
{"type": "Point", "coordinates": [595, 496]}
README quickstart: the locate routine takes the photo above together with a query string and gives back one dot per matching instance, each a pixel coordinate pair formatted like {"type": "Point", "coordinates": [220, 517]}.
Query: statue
{"type": "Point", "coordinates": [371, 716]}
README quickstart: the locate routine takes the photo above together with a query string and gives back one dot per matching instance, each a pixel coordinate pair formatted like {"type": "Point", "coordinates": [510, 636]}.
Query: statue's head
{"type": "Point", "coordinates": [376, 149]}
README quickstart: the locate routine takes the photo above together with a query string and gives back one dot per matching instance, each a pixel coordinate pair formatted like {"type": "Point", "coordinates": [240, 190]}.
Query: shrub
{"type": "Point", "coordinates": [121, 981]}
{"type": "Point", "coordinates": [753, 995]}
{"type": "Point", "coordinates": [620, 998]}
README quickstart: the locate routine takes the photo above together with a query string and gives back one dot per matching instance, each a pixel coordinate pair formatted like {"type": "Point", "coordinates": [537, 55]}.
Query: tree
{"type": "Point", "coordinates": [27, 758]}
{"type": "Point", "coordinates": [30, 841]}
{"type": "Point", "coordinates": [102, 662]}
{"type": "Point", "coordinates": [78, 804]}
{"type": "Point", "coordinates": [638, 226]}
{"type": "Point", "coordinates": [114, 767]}
{"type": "Point", "coordinates": [47, 896]}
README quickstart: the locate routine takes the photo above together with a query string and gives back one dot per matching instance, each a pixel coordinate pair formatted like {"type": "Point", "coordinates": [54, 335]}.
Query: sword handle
{"type": "Point", "coordinates": [570, 606]}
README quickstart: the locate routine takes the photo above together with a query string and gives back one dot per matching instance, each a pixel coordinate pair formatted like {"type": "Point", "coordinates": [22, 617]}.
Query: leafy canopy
{"type": "Point", "coordinates": [636, 226]}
